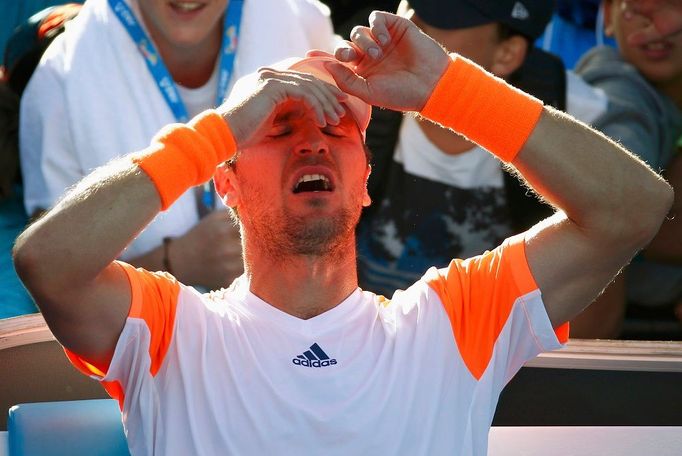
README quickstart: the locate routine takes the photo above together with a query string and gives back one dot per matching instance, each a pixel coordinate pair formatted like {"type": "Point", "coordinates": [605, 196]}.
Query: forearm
{"type": "Point", "coordinates": [86, 231]}
{"type": "Point", "coordinates": [89, 228]}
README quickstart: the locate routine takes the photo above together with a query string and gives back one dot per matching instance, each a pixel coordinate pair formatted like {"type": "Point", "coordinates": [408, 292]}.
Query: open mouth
{"type": "Point", "coordinates": [313, 183]}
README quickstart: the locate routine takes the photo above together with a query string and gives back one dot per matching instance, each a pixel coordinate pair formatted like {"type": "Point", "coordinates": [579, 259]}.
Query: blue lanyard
{"type": "Point", "coordinates": [158, 69]}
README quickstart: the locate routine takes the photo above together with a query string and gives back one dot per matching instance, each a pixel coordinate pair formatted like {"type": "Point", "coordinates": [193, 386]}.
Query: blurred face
{"type": "Point", "coordinates": [659, 61]}
{"type": "Point", "coordinates": [182, 23]}
{"type": "Point", "coordinates": [302, 188]}
{"type": "Point", "coordinates": [482, 44]}
{"type": "Point", "coordinates": [475, 43]}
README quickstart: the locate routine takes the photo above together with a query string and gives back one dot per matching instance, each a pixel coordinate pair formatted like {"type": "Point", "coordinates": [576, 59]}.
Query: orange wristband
{"type": "Point", "coordinates": [182, 156]}
{"type": "Point", "coordinates": [484, 108]}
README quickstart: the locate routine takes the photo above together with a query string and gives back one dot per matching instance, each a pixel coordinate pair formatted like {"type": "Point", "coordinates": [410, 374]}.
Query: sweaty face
{"type": "Point", "coordinates": [301, 189]}
{"type": "Point", "coordinates": [182, 23]}
{"type": "Point", "coordinates": [659, 61]}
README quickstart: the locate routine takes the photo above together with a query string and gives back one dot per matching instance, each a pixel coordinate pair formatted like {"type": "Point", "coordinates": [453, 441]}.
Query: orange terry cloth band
{"type": "Point", "coordinates": [484, 108]}
{"type": "Point", "coordinates": [182, 156]}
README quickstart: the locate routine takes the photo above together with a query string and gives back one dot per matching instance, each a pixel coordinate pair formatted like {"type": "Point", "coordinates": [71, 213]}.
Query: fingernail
{"type": "Point", "coordinates": [373, 52]}
{"type": "Point", "coordinates": [383, 39]}
{"type": "Point", "coordinates": [346, 53]}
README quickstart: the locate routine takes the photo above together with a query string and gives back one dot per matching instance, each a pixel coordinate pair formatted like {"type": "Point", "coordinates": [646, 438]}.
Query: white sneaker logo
{"type": "Point", "coordinates": [520, 11]}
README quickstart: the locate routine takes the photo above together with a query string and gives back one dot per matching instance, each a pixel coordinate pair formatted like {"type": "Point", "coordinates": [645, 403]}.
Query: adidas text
{"type": "Point", "coordinates": [315, 363]}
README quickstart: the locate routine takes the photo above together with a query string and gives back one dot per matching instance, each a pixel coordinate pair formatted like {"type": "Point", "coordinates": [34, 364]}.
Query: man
{"type": "Point", "coordinates": [293, 358]}
{"type": "Point", "coordinates": [438, 195]}
{"type": "Point", "coordinates": [125, 68]}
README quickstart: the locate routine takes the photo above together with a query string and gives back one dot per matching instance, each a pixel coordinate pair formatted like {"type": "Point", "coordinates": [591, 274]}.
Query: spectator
{"type": "Point", "coordinates": [665, 19]}
{"type": "Point", "coordinates": [294, 358]}
{"type": "Point", "coordinates": [126, 68]}
{"type": "Point", "coordinates": [21, 56]}
{"type": "Point", "coordinates": [437, 195]}
{"type": "Point", "coordinates": [644, 86]}
{"type": "Point", "coordinates": [14, 14]}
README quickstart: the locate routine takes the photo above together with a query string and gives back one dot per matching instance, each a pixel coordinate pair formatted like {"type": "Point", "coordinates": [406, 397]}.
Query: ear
{"type": "Point", "coordinates": [366, 200]}
{"type": "Point", "coordinates": [606, 7]}
{"type": "Point", "coordinates": [509, 56]}
{"type": "Point", "coordinates": [226, 186]}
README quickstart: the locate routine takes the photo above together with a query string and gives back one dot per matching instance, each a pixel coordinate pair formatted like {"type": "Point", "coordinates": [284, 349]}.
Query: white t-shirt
{"type": "Point", "coordinates": [420, 374]}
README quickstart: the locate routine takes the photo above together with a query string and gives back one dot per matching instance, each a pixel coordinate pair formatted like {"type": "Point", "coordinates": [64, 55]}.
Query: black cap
{"type": "Point", "coordinates": [527, 17]}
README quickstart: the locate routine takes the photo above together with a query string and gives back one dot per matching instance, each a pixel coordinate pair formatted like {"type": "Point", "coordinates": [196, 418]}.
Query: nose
{"type": "Point", "coordinates": [312, 142]}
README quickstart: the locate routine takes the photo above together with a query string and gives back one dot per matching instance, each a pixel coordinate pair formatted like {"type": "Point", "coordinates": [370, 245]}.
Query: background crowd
{"type": "Point", "coordinates": [106, 84]}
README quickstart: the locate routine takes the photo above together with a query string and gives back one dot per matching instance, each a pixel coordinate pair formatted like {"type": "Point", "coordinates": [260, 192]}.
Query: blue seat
{"type": "Point", "coordinates": [66, 428]}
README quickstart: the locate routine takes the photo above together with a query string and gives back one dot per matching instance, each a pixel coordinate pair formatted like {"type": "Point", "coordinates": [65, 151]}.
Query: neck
{"type": "Point", "coordinates": [446, 140]}
{"type": "Point", "coordinates": [300, 285]}
{"type": "Point", "coordinates": [192, 65]}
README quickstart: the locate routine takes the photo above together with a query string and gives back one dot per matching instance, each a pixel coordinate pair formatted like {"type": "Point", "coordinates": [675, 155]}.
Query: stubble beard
{"type": "Point", "coordinates": [286, 235]}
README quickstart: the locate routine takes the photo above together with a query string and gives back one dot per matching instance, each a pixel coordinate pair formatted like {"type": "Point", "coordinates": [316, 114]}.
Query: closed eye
{"type": "Point", "coordinates": [278, 131]}
{"type": "Point", "coordinates": [336, 131]}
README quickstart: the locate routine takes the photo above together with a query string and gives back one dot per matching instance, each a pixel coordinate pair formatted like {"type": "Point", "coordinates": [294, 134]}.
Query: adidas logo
{"type": "Point", "coordinates": [520, 11]}
{"type": "Point", "coordinates": [315, 357]}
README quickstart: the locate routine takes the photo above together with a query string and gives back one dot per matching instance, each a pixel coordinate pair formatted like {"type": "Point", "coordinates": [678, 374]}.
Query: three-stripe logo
{"type": "Point", "coordinates": [314, 357]}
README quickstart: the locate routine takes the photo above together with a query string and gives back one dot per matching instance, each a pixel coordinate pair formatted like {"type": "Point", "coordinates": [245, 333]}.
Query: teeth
{"type": "Point", "coordinates": [313, 177]}
{"type": "Point", "coordinates": [187, 6]}
{"type": "Point", "coordinates": [319, 181]}
{"type": "Point", "coordinates": [656, 46]}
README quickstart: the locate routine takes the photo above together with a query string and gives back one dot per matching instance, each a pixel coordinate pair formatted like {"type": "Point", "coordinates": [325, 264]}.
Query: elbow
{"type": "Point", "coordinates": [28, 262]}
{"type": "Point", "coordinates": [23, 258]}
{"type": "Point", "coordinates": [647, 220]}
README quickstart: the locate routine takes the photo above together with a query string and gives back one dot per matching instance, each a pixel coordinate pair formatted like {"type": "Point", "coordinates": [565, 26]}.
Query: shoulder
{"type": "Point", "coordinates": [604, 67]}
{"type": "Point", "coordinates": [79, 35]}
{"type": "Point", "coordinates": [600, 58]}
{"type": "Point", "coordinates": [626, 89]}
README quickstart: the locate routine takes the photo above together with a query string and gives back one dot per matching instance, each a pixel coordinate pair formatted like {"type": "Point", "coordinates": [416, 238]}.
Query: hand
{"type": "Point", "coordinates": [665, 19]}
{"type": "Point", "coordinates": [395, 65]}
{"type": "Point", "coordinates": [253, 102]}
{"type": "Point", "coordinates": [210, 254]}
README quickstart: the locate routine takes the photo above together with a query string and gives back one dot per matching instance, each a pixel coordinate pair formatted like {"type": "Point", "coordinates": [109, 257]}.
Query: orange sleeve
{"type": "Point", "coordinates": [154, 297]}
{"type": "Point", "coordinates": [478, 295]}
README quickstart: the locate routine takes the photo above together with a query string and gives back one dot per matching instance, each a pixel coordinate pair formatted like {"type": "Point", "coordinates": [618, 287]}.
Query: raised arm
{"type": "Point", "coordinates": [609, 203]}
{"type": "Point", "coordinates": [66, 259]}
